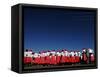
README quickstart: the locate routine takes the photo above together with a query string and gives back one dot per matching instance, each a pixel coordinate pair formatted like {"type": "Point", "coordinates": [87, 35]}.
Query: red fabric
{"type": "Point", "coordinates": [67, 59]}
{"type": "Point", "coordinates": [77, 59]}
{"type": "Point", "coordinates": [63, 59]}
{"type": "Point", "coordinates": [53, 60]}
{"type": "Point", "coordinates": [37, 60]}
{"type": "Point", "coordinates": [92, 58]}
{"type": "Point", "coordinates": [73, 59]}
{"type": "Point", "coordinates": [42, 61]}
{"type": "Point", "coordinates": [84, 57]}
{"type": "Point", "coordinates": [27, 60]}
{"type": "Point", "coordinates": [58, 59]}
{"type": "Point", "coordinates": [47, 61]}
{"type": "Point", "coordinates": [70, 59]}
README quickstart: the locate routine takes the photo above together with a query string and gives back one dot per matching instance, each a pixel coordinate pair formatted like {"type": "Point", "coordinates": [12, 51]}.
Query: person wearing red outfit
{"type": "Point", "coordinates": [76, 57]}
{"type": "Point", "coordinates": [71, 57]}
{"type": "Point", "coordinates": [42, 58]}
{"type": "Point", "coordinates": [66, 57]}
{"type": "Point", "coordinates": [36, 58]}
{"type": "Point", "coordinates": [84, 56]}
{"type": "Point", "coordinates": [63, 58]}
{"type": "Point", "coordinates": [47, 58]}
{"type": "Point", "coordinates": [79, 56]}
{"type": "Point", "coordinates": [53, 59]}
{"type": "Point", "coordinates": [58, 57]}
{"type": "Point", "coordinates": [91, 56]}
{"type": "Point", "coordinates": [27, 56]}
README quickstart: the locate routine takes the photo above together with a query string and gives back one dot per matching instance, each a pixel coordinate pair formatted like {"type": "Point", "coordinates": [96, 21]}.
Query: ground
{"type": "Point", "coordinates": [55, 66]}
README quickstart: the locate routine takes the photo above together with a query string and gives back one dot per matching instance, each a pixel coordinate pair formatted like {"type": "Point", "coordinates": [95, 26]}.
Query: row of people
{"type": "Point", "coordinates": [62, 57]}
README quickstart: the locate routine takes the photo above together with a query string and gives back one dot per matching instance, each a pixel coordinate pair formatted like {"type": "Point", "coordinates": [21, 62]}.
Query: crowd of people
{"type": "Point", "coordinates": [54, 57]}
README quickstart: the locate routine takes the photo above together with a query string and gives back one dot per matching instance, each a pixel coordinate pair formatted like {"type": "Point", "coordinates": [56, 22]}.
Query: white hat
{"type": "Point", "coordinates": [57, 53]}
{"type": "Point", "coordinates": [84, 50]}
{"type": "Point", "coordinates": [35, 54]}
{"type": "Point", "coordinates": [90, 50]}
{"type": "Point", "coordinates": [79, 53]}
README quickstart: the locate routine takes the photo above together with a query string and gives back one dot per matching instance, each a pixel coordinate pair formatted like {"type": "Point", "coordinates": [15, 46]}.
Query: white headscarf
{"type": "Point", "coordinates": [90, 50]}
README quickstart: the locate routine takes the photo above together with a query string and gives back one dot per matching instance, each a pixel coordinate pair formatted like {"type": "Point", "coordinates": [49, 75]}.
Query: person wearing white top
{"type": "Point", "coordinates": [72, 53]}
{"type": "Point", "coordinates": [58, 54]}
{"type": "Point", "coordinates": [47, 53]}
{"type": "Point", "coordinates": [66, 53]}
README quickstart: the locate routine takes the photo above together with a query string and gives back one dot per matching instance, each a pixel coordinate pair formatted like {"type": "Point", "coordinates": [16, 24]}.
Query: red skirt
{"type": "Point", "coordinates": [37, 60]}
{"type": "Point", "coordinates": [58, 59]}
{"type": "Point", "coordinates": [63, 59]}
{"type": "Point", "coordinates": [73, 59]}
{"type": "Point", "coordinates": [27, 60]}
{"type": "Point", "coordinates": [47, 60]}
{"type": "Point", "coordinates": [53, 60]}
{"type": "Point", "coordinates": [67, 59]}
{"type": "Point", "coordinates": [92, 58]}
{"type": "Point", "coordinates": [42, 60]}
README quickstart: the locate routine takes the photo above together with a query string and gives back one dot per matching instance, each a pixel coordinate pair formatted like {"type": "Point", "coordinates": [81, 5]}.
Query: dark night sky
{"type": "Point", "coordinates": [46, 29]}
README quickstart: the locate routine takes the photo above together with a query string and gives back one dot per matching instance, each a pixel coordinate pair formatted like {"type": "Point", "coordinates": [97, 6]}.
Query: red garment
{"type": "Point", "coordinates": [58, 59]}
{"type": "Point", "coordinates": [92, 58]}
{"type": "Point", "coordinates": [84, 57]}
{"type": "Point", "coordinates": [63, 59]}
{"type": "Point", "coordinates": [73, 59]}
{"type": "Point", "coordinates": [42, 60]}
{"type": "Point", "coordinates": [53, 60]}
{"type": "Point", "coordinates": [79, 59]}
{"type": "Point", "coordinates": [27, 60]}
{"type": "Point", "coordinates": [70, 59]}
{"type": "Point", "coordinates": [66, 59]}
{"type": "Point", "coordinates": [76, 59]}
{"type": "Point", "coordinates": [47, 60]}
{"type": "Point", "coordinates": [37, 60]}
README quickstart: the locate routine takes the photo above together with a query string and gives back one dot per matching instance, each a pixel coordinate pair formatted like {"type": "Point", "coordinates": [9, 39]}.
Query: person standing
{"type": "Point", "coordinates": [91, 56]}
{"type": "Point", "coordinates": [58, 57]}
{"type": "Point", "coordinates": [53, 59]}
{"type": "Point", "coordinates": [84, 56]}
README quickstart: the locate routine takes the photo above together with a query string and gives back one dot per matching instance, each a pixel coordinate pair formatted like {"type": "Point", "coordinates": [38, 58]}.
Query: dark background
{"type": "Point", "coordinates": [48, 29]}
